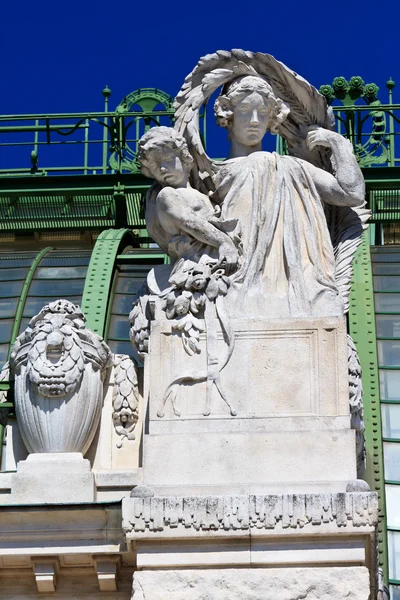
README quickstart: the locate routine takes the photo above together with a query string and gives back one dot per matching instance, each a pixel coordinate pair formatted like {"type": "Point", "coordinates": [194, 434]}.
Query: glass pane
{"type": "Point", "coordinates": [390, 420]}
{"type": "Point", "coordinates": [389, 385]}
{"type": "Point", "coordinates": [385, 269]}
{"type": "Point", "coordinates": [391, 453]}
{"type": "Point", "coordinates": [10, 288]}
{"type": "Point", "coordinates": [124, 348]}
{"type": "Point", "coordinates": [3, 354]}
{"type": "Point", "coordinates": [119, 327]}
{"type": "Point", "coordinates": [7, 274]}
{"type": "Point", "coordinates": [386, 257]}
{"type": "Point", "coordinates": [5, 330]}
{"type": "Point", "coordinates": [387, 303]}
{"type": "Point", "coordinates": [8, 307]}
{"type": "Point", "coordinates": [56, 287]}
{"type": "Point", "coordinates": [60, 272]}
{"type": "Point", "coordinates": [394, 592]}
{"type": "Point", "coordinates": [388, 353]}
{"type": "Point", "coordinates": [392, 505]}
{"type": "Point", "coordinates": [66, 259]}
{"type": "Point", "coordinates": [388, 326]}
{"type": "Point", "coordinates": [123, 304]}
{"type": "Point", "coordinates": [130, 285]}
{"type": "Point", "coordinates": [34, 305]}
{"type": "Point", "coordinates": [23, 324]}
{"type": "Point", "coordinates": [13, 261]}
{"type": "Point", "coordinates": [394, 554]}
{"type": "Point", "coordinates": [383, 249]}
{"type": "Point", "coordinates": [389, 283]}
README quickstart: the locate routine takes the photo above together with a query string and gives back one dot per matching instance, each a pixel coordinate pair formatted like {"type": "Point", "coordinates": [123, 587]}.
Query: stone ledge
{"type": "Point", "coordinates": [145, 517]}
{"type": "Point", "coordinates": [117, 478]}
{"type": "Point", "coordinates": [91, 527]}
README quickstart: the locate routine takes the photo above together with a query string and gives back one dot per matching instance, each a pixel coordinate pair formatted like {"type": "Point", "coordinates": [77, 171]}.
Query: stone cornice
{"type": "Point", "coordinates": [144, 516]}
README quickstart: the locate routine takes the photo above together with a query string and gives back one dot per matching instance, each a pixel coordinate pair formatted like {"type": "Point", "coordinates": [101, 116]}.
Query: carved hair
{"type": "Point", "coordinates": [236, 90]}
{"type": "Point", "coordinates": [159, 138]}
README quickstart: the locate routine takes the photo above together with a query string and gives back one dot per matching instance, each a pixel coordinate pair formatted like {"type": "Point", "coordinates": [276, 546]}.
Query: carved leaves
{"type": "Point", "coordinates": [55, 349]}
{"type": "Point", "coordinates": [192, 285]}
{"type": "Point", "coordinates": [346, 228]}
{"type": "Point", "coordinates": [125, 398]}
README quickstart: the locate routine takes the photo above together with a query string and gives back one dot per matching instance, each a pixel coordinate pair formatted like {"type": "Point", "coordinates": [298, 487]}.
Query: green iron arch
{"type": "Point", "coordinates": [24, 295]}
{"type": "Point", "coordinates": [147, 99]}
{"type": "Point", "coordinates": [99, 278]}
{"type": "Point", "coordinates": [131, 122]}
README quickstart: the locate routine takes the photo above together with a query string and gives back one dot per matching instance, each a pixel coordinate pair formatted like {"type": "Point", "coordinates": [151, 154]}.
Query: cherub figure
{"type": "Point", "coordinates": [180, 219]}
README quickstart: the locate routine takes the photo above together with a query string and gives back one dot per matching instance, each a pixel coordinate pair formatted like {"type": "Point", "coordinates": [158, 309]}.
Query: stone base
{"type": "Point", "coordinates": [347, 583]}
{"type": "Point", "coordinates": [289, 429]}
{"type": "Point", "coordinates": [53, 478]}
{"type": "Point", "coordinates": [253, 547]}
{"type": "Point", "coordinates": [239, 463]}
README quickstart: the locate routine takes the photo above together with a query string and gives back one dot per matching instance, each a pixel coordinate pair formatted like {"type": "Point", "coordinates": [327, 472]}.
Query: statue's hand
{"type": "Point", "coordinates": [318, 136]}
{"type": "Point", "coordinates": [228, 256]}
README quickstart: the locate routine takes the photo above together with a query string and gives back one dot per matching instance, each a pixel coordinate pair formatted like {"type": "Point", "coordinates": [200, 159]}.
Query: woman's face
{"type": "Point", "coordinates": [250, 120]}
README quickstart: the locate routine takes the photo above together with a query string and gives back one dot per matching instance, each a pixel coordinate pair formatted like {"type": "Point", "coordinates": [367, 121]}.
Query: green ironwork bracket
{"type": "Point", "coordinates": [363, 331]}
{"type": "Point", "coordinates": [99, 276]}
{"type": "Point", "coordinates": [21, 302]}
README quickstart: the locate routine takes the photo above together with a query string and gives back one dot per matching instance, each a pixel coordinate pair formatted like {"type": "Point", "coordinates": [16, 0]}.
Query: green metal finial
{"type": "Point", "coordinates": [390, 84]}
{"type": "Point", "coordinates": [106, 92]}
{"type": "Point", "coordinates": [327, 91]}
{"type": "Point", "coordinates": [340, 84]}
{"type": "Point", "coordinates": [356, 83]}
{"type": "Point", "coordinates": [34, 161]}
{"type": "Point", "coordinates": [371, 91]}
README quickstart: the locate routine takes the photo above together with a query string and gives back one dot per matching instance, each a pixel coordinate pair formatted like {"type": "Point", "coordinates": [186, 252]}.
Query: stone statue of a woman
{"type": "Point", "coordinates": [297, 218]}
{"type": "Point", "coordinates": [288, 265]}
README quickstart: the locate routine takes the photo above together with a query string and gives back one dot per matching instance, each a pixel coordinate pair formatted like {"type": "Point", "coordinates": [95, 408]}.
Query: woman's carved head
{"type": "Point", "coordinates": [248, 108]}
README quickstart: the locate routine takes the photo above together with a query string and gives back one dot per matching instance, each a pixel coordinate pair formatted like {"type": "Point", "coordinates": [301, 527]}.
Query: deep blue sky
{"type": "Point", "coordinates": [58, 56]}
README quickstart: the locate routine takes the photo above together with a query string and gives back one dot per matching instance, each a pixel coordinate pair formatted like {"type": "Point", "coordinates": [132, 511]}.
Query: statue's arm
{"type": "Point", "coordinates": [346, 187]}
{"type": "Point", "coordinates": [172, 209]}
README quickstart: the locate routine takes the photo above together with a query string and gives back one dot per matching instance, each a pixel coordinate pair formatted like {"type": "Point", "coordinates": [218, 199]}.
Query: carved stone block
{"type": "Point", "coordinates": [287, 368]}
{"type": "Point", "coordinates": [340, 583]}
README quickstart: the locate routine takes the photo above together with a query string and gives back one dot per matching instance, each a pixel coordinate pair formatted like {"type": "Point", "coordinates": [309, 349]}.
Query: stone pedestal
{"type": "Point", "coordinates": [258, 547]}
{"type": "Point", "coordinates": [53, 478]}
{"type": "Point", "coordinates": [287, 381]}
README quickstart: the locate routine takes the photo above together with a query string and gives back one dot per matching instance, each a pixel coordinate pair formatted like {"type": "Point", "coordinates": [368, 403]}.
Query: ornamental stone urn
{"type": "Point", "coordinates": [59, 367]}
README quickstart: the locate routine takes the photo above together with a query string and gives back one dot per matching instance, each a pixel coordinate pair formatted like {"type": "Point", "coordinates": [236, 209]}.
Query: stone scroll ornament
{"type": "Point", "coordinates": [58, 366]}
{"type": "Point", "coordinates": [295, 220]}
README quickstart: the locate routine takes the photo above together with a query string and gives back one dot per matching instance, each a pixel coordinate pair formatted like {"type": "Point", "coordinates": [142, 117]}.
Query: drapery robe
{"type": "Point", "coordinates": [287, 266]}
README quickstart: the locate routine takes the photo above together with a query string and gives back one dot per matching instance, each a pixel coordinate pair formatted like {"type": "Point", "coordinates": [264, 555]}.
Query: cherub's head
{"type": "Point", "coordinates": [248, 108]}
{"type": "Point", "coordinates": [164, 156]}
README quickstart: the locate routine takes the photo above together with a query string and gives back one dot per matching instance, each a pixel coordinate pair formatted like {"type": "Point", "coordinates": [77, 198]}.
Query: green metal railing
{"type": "Point", "coordinates": [86, 143]}
{"type": "Point", "coordinates": [104, 142]}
